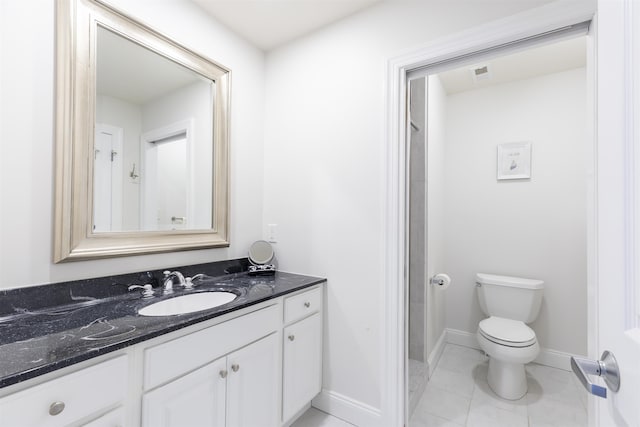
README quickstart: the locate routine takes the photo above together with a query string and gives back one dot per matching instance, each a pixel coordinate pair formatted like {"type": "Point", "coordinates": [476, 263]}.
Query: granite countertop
{"type": "Point", "coordinates": [37, 341]}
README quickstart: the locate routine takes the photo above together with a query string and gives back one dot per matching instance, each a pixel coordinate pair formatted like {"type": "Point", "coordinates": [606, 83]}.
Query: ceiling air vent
{"type": "Point", "coordinates": [480, 73]}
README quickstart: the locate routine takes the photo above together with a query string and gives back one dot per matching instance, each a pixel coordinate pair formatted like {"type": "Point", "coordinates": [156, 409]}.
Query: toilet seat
{"type": "Point", "coordinates": [507, 332]}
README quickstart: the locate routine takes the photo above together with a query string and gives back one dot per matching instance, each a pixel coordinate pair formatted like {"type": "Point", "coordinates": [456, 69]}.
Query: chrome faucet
{"type": "Point", "coordinates": [168, 280]}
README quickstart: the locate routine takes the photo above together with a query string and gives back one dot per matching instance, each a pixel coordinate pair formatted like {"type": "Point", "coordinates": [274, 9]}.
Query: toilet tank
{"type": "Point", "coordinates": [509, 297]}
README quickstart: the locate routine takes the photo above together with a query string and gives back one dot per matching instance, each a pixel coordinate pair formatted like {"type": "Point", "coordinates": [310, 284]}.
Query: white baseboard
{"type": "Point", "coordinates": [347, 409]}
{"type": "Point", "coordinates": [555, 359]}
{"type": "Point", "coordinates": [434, 356]}
{"type": "Point", "coordinates": [547, 357]}
{"type": "Point", "coordinates": [463, 338]}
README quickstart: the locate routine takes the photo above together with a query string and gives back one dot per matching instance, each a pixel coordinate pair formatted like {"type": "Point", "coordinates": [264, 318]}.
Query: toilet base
{"type": "Point", "coordinates": [507, 380]}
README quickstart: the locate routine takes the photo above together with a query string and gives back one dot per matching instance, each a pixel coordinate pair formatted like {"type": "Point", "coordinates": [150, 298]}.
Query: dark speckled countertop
{"type": "Point", "coordinates": [89, 318]}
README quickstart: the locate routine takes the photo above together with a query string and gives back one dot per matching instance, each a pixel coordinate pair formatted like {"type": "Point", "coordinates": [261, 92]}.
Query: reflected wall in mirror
{"type": "Point", "coordinates": [141, 137]}
{"type": "Point", "coordinates": [153, 141]}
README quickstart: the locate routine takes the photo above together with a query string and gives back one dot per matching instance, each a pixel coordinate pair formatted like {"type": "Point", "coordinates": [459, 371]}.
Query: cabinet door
{"type": "Point", "coordinates": [302, 364]}
{"type": "Point", "coordinates": [252, 385]}
{"type": "Point", "coordinates": [195, 400]}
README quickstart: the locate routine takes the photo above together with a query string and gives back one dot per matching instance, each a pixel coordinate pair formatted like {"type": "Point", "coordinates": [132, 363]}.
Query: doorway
{"type": "Point", "coordinates": [167, 193]}
{"type": "Point", "coordinates": [469, 215]}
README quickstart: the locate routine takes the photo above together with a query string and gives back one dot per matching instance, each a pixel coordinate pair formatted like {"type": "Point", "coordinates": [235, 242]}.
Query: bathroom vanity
{"type": "Point", "coordinates": [254, 361]}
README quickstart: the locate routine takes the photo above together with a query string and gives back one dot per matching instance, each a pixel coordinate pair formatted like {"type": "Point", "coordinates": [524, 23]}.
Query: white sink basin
{"type": "Point", "coordinates": [188, 303]}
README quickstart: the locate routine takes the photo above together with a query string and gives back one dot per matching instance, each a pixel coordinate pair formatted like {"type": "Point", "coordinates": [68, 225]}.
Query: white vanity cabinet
{"type": "Point", "coordinates": [75, 398]}
{"type": "Point", "coordinates": [239, 388]}
{"type": "Point", "coordinates": [257, 367]}
{"type": "Point", "coordinates": [113, 418]}
{"type": "Point", "coordinates": [197, 399]}
{"type": "Point", "coordinates": [236, 390]}
{"type": "Point", "coordinates": [253, 384]}
{"type": "Point", "coordinates": [302, 351]}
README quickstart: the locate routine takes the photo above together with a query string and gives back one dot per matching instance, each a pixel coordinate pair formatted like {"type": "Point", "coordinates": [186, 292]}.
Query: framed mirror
{"type": "Point", "coordinates": [141, 139]}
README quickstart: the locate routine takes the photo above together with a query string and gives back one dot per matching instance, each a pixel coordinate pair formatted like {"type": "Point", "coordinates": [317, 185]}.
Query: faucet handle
{"type": "Point", "coordinates": [188, 281]}
{"type": "Point", "coordinates": [147, 290]}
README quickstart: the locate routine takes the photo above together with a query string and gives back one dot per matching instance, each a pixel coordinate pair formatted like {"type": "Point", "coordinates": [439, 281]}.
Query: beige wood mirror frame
{"type": "Point", "coordinates": [76, 28]}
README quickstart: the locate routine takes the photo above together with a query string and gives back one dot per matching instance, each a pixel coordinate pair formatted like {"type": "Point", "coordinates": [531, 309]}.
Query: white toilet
{"type": "Point", "coordinates": [510, 302]}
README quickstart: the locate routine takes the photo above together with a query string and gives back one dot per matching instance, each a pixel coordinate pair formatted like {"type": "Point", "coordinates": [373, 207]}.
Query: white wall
{"type": "Point", "coordinates": [528, 228]}
{"type": "Point", "coordinates": [27, 112]}
{"type": "Point", "coordinates": [324, 153]}
{"type": "Point", "coordinates": [436, 143]}
{"type": "Point", "coordinates": [323, 156]}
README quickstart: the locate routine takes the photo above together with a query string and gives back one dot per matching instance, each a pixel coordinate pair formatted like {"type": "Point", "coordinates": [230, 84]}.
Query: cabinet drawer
{"type": "Point", "coordinates": [113, 418]}
{"type": "Point", "coordinates": [80, 394]}
{"type": "Point", "coordinates": [301, 305]}
{"type": "Point", "coordinates": [181, 355]}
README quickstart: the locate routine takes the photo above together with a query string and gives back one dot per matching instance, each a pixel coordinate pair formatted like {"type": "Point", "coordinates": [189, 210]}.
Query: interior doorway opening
{"type": "Point", "coordinates": [464, 217]}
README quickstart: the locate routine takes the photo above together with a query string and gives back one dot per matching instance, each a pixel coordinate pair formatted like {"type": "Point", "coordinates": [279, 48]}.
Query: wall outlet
{"type": "Point", "coordinates": [272, 230]}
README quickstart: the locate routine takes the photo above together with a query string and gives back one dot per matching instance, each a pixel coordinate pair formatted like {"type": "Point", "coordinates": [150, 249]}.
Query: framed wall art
{"type": "Point", "coordinates": [514, 160]}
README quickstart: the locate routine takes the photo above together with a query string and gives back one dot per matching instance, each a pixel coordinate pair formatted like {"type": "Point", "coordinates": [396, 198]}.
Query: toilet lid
{"type": "Point", "coordinates": [512, 333]}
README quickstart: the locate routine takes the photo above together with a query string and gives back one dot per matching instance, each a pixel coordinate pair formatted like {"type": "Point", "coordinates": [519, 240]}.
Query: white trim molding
{"type": "Point", "coordinates": [503, 32]}
{"type": "Point", "coordinates": [463, 338]}
{"type": "Point", "coordinates": [347, 409]}
{"type": "Point", "coordinates": [547, 357]}
{"type": "Point", "coordinates": [436, 353]}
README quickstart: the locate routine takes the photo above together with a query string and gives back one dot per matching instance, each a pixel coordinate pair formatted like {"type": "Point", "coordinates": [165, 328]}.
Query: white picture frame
{"type": "Point", "coordinates": [514, 161]}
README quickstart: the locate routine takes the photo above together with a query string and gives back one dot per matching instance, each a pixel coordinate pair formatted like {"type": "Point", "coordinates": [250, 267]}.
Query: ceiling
{"type": "Point", "coordinates": [268, 24]}
{"type": "Point", "coordinates": [130, 72]}
{"type": "Point", "coordinates": [551, 58]}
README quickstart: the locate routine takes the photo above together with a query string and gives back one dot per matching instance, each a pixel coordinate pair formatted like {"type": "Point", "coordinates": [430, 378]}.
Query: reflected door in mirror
{"type": "Point", "coordinates": [107, 183]}
{"type": "Point", "coordinates": [161, 175]}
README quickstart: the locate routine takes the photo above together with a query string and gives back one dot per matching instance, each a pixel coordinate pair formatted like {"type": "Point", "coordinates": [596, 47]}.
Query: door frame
{"type": "Point", "coordinates": [617, 300]}
{"type": "Point", "coordinates": [148, 165]}
{"type": "Point", "coordinates": [116, 176]}
{"type": "Point", "coordinates": [502, 32]}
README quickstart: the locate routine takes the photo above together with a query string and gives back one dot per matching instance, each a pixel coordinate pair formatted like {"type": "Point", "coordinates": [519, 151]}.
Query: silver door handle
{"type": "Point", "coordinates": [606, 367]}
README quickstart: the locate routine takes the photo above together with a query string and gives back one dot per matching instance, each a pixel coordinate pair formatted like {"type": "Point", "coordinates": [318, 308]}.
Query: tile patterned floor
{"type": "Point", "coordinates": [418, 376]}
{"type": "Point", "coordinates": [316, 418]}
{"type": "Point", "coordinates": [458, 395]}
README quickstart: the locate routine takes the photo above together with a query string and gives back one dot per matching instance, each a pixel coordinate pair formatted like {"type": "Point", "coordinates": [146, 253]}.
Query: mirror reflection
{"type": "Point", "coordinates": [153, 148]}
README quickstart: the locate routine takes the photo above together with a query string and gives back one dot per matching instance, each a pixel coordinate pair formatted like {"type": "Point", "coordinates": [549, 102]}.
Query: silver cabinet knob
{"type": "Point", "coordinates": [56, 408]}
{"type": "Point", "coordinates": [223, 373]}
{"type": "Point", "coordinates": [235, 367]}
{"type": "Point", "coordinates": [292, 337]}
{"type": "Point", "coordinates": [307, 304]}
